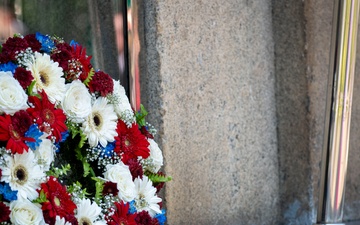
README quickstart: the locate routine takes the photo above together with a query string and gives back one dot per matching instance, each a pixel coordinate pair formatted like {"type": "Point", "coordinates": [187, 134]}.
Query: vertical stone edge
{"type": "Point", "coordinates": [292, 105]}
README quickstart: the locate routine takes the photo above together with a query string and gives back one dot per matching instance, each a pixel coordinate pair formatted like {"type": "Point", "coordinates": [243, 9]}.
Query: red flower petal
{"type": "Point", "coordinates": [47, 116]}
{"type": "Point", "coordinates": [121, 215]}
{"type": "Point", "coordinates": [130, 142]}
{"type": "Point", "coordinates": [59, 200]}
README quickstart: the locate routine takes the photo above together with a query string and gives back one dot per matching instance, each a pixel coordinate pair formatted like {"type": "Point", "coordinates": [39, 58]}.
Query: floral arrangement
{"type": "Point", "coordinates": [72, 150]}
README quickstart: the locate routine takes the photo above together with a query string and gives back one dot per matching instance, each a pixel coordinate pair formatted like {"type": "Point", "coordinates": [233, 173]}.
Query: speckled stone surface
{"type": "Point", "coordinates": [238, 91]}
{"type": "Point", "coordinates": [292, 102]}
{"type": "Point", "coordinates": [209, 81]}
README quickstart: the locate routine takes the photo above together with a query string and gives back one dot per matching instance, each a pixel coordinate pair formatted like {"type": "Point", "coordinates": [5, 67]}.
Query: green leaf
{"type": "Point", "coordinates": [76, 188]}
{"type": "Point", "coordinates": [140, 116]}
{"type": "Point", "coordinates": [30, 89]}
{"type": "Point", "coordinates": [83, 138]}
{"type": "Point", "coordinates": [158, 178]}
{"type": "Point", "coordinates": [99, 186]}
{"type": "Point", "coordinates": [41, 198]}
{"type": "Point", "coordinates": [57, 172]}
{"type": "Point", "coordinates": [86, 166]}
{"type": "Point", "coordinates": [73, 128]}
{"type": "Point", "coordinates": [89, 77]}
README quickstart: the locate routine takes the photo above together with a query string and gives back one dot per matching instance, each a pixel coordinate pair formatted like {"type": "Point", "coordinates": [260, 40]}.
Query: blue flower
{"type": "Point", "coordinates": [47, 44]}
{"type": "Point", "coordinates": [73, 43]}
{"type": "Point", "coordinates": [132, 208]}
{"type": "Point", "coordinates": [10, 66]}
{"type": "Point", "coordinates": [108, 151]}
{"type": "Point", "coordinates": [35, 133]}
{"type": "Point", "coordinates": [8, 194]}
{"type": "Point", "coordinates": [64, 136]}
{"type": "Point", "coordinates": [161, 217]}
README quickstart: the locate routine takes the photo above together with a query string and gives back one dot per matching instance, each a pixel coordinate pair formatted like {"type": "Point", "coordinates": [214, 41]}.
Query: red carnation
{"type": "Point", "coordinates": [4, 212]}
{"type": "Point", "coordinates": [143, 218]}
{"type": "Point", "coordinates": [135, 168]}
{"type": "Point", "coordinates": [110, 188]}
{"type": "Point", "coordinates": [49, 119]}
{"type": "Point", "coordinates": [14, 135]}
{"type": "Point", "coordinates": [145, 132]}
{"type": "Point", "coordinates": [130, 143]}
{"type": "Point", "coordinates": [23, 76]}
{"type": "Point", "coordinates": [12, 45]}
{"type": "Point", "coordinates": [59, 200]}
{"type": "Point", "coordinates": [62, 55]}
{"type": "Point", "coordinates": [102, 83]}
{"type": "Point", "coordinates": [21, 121]}
{"type": "Point", "coordinates": [121, 215]}
{"type": "Point", "coordinates": [32, 42]}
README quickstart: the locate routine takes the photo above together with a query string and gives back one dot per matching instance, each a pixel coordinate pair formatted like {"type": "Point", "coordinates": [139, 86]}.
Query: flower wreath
{"type": "Point", "coordinates": [72, 150]}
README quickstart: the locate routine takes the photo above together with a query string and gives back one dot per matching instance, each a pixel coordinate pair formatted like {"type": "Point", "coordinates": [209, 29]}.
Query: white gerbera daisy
{"type": "Point", "coordinates": [61, 221]}
{"type": "Point", "coordinates": [23, 174]}
{"type": "Point", "coordinates": [146, 198]}
{"type": "Point", "coordinates": [48, 76]}
{"type": "Point", "coordinates": [88, 213]}
{"type": "Point", "coordinates": [100, 125]}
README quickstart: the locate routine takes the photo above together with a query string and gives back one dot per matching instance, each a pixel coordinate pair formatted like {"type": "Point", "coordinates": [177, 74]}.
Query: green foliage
{"type": "Point", "coordinates": [41, 198]}
{"type": "Point", "coordinates": [57, 172]}
{"type": "Point", "coordinates": [140, 116]}
{"type": "Point", "coordinates": [86, 166]}
{"type": "Point", "coordinates": [75, 130]}
{"type": "Point", "coordinates": [99, 186]}
{"type": "Point", "coordinates": [89, 77]}
{"type": "Point", "coordinates": [30, 90]}
{"type": "Point", "coordinates": [77, 190]}
{"type": "Point", "coordinates": [158, 178]}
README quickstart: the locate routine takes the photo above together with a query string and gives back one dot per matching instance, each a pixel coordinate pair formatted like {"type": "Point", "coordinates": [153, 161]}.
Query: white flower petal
{"type": "Point", "coordinates": [100, 125]}
{"type": "Point", "coordinates": [12, 96]}
{"type": "Point", "coordinates": [48, 77]}
{"type": "Point", "coordinates": [23, 212]}
{"type": "Point", "coordinates": [146, 198]}
{"type": "Point", "coordinates": [23, 174]}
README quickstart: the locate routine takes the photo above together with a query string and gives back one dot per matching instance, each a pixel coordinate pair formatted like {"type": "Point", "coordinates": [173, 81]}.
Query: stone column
{"type": "Point", "coordinates": [208, 82]}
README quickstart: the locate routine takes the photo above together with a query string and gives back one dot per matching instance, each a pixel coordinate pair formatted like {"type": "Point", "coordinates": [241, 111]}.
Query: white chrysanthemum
{"type": "Point", "coordinates": [77, 101]}
{"type": "Point", "coordinates": [88, 213]}
{"type": "Point", "coordinates": [48, 76]}
{"type": "Point", "coordinates": [12, 96]}
{"type": "Point", "coordinates": [24, 212]}
{"type": "Point", "coordinates": [155, 161]}
{"type": "Point", "coordinates": [61, 221]}
{"type": "Point", "coordinates": [45, 153]}
{"type": "Point", "coordinates": [100, 125]}
{"type": "Point", "coordinates": [146, 198]}
{"type": "Point", "coordinates": [121, 101]}
{"type": "Point", "coordinates": [23, 174]}
{"type": "Point", "coordinates": [120, 174]}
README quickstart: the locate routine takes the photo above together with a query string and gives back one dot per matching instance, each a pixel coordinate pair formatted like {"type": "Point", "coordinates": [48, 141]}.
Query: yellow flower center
{"type": "Point", "coordinates": [57, 201]}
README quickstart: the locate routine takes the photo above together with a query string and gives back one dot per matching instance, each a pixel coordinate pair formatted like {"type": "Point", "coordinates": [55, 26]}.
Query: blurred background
{"type": "Point", "coordinates": [99, 27]}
